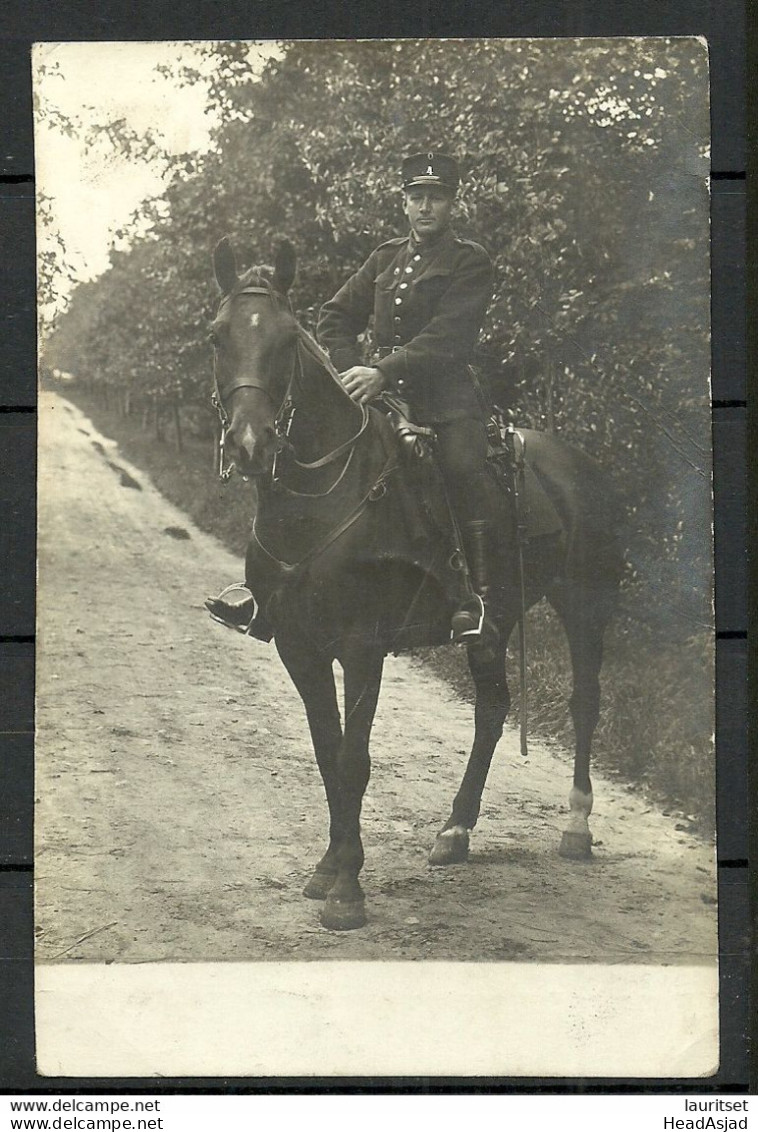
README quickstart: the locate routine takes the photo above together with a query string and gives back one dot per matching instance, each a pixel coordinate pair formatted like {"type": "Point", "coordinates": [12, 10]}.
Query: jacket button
{"type": "Point", "coordinates": [396, 271]}
{"type": "Point", "coordinates": [398, 301]}
{"type": "Point", "coordinates": [403, 286]}
{"type": "Point", "coordinates": [409, 270]}
{"type": "Point", "coordinates": [396, 318]}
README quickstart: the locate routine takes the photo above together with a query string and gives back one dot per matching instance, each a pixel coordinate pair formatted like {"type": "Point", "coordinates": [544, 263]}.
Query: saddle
{"type": "Point", "coordinates": [507, 458]}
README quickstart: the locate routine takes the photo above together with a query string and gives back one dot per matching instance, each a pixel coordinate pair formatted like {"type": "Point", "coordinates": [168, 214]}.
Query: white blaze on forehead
{"type": "Point", "coordinates": [255, 318]}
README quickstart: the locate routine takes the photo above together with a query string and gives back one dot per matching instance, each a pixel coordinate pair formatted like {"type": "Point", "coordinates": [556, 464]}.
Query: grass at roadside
{"type": "Point", "coordinates": [656, 720]}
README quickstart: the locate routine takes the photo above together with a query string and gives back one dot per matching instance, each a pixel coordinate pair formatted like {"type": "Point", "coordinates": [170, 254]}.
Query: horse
{"type": "Point", "coordinates": [332, 574]}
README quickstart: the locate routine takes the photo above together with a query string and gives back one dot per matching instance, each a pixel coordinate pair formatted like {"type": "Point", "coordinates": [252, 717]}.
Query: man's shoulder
{"type": "Point", "coordinates": [393, 244]}
{"type": "Point", "coordinates": [384, 253]}
{"type": "Point", "coordinates": [471, 246]}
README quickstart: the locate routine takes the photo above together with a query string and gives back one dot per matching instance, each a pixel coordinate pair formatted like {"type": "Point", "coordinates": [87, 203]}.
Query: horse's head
{"type": "Point", "coordinates": [254, 336]}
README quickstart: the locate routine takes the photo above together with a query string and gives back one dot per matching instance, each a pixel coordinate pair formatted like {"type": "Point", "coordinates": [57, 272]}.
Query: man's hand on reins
{"type": "Point", "coordinates": [363, 383]}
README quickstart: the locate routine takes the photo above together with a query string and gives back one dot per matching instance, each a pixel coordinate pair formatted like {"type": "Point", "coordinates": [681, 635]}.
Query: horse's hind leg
{"type": "Point", "coordinates": [492, 704]}
{"type": "Point", "coordinates": [312, 675]}
{"type": "Point", "coordinates": [584, 619]}
{"type": "Point", "coordinates": [362, 664]}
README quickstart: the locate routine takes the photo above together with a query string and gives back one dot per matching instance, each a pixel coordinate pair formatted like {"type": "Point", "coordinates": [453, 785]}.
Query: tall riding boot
{"type": "Point", "coordinates": [473, 622]}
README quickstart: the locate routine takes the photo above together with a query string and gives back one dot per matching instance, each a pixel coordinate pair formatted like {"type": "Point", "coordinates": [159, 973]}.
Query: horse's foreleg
{"type": "Point", "coordinates": [492, 704]}
{"type": "Point", "coordinates": [312, 675]}
{"type": "Point", "coordinates": [344, 908]}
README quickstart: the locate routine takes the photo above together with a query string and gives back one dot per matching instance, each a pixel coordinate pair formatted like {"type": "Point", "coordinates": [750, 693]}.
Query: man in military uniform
{"type": "Point", "coordinates": [428, 293]}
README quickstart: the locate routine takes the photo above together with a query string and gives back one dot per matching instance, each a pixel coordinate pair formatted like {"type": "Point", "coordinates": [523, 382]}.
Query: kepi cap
{"type": "Point", "coordinates": [430, 169]}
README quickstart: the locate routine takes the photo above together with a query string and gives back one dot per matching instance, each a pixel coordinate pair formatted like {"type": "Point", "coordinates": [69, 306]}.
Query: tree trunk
{"type": "Point", "coordinates": [549, 391]}
{"type": "Point", "coordinates": [177, 426]}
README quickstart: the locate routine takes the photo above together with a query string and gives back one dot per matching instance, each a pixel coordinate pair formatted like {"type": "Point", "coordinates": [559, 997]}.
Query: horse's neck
{"type": "Point", "coordinates": [325, 416]}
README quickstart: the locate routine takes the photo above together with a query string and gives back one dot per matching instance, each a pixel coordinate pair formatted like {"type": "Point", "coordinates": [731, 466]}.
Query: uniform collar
{"type": "Point", "coordinates": [427, 249]}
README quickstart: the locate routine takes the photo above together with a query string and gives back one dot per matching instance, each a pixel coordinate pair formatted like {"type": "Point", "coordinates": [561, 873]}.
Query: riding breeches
{"type": "Point", "coordinates": [461, 452]}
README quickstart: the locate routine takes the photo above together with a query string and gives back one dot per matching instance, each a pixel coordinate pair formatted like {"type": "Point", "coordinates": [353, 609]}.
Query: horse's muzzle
{"type": "Point", "coordinates": [253, 454]}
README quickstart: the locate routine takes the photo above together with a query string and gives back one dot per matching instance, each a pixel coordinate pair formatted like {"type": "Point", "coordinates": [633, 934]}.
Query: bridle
{"type": "Point", "coordinates": [285, 413]}
{"type": "Point", "coordinates": [283, 417]}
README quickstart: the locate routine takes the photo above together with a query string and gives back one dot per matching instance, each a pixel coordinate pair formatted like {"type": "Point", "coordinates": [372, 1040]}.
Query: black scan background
{"type": "Point", "coordinates": [723, 24]}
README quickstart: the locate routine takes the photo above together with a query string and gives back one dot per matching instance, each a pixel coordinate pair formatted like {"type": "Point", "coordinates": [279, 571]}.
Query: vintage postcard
{"type": "Point", "coordinates": [406, 342]}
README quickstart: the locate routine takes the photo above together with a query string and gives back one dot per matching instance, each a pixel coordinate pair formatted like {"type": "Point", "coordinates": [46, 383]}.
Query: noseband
{"type": "Point", "coordinates": [286, 411]}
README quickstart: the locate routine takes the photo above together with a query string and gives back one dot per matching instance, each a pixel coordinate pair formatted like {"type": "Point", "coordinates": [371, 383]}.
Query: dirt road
{"type": "Point", "coordinates": [180, 810]}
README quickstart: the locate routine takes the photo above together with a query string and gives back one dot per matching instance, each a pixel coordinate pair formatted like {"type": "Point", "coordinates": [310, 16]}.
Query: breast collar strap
{"type": "Point", "coordinates": [377, 491]}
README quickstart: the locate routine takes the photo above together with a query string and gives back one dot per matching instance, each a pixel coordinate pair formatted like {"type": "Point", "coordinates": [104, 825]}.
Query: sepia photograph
{"type": "Point", "coordinates": [375, 639]}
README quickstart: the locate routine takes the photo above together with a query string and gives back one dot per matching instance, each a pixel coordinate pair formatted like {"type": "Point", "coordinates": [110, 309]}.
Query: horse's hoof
{"type": "Point", "coordinates": [450, 848]}
{"type": "Point", "coordinates": [576, 846]}
{"type": "Point", "coordinates": [318, 886]}
{"type": "Point", "coordinates": [343, 915]}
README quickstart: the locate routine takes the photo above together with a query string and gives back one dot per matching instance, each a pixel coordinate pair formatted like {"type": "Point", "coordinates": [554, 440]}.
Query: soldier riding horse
{"type": "Point", "coordinates": [340, 568]}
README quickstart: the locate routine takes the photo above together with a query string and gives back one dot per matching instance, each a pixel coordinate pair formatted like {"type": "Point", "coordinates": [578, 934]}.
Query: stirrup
{"type": "Point", "coordinates": [467, 623]}
{"type": "Point", "coordinates": [245, 624]}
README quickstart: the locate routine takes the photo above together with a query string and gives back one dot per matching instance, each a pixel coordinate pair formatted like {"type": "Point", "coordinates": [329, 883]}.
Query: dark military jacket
{"type": "Point", "coordinates": [428, 305]}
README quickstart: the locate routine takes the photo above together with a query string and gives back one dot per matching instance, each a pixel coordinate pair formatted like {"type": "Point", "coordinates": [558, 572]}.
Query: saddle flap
{"type": "Point", "coordinates": [540, 517]}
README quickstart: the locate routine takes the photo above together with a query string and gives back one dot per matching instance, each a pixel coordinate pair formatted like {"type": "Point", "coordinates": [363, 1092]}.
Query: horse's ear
{"type": "Point", "coordinates": [285, 265]}
{"type": "Point", "coordinates": [225, 265]}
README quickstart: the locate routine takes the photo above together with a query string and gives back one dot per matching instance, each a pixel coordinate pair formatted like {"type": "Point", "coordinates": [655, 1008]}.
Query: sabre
{"type": "Point", "coordinates": [518, 445]}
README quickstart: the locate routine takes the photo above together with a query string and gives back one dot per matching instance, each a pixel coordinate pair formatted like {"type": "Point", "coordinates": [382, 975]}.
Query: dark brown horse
{"type": "Point", "coordinates": [333, 572]}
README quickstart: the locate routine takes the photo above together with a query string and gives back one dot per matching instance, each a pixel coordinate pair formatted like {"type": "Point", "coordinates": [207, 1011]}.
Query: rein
{"type": "Point", "coordinates": [307, 343]}
{"type": "Point", "coordinates": [377, 490]}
